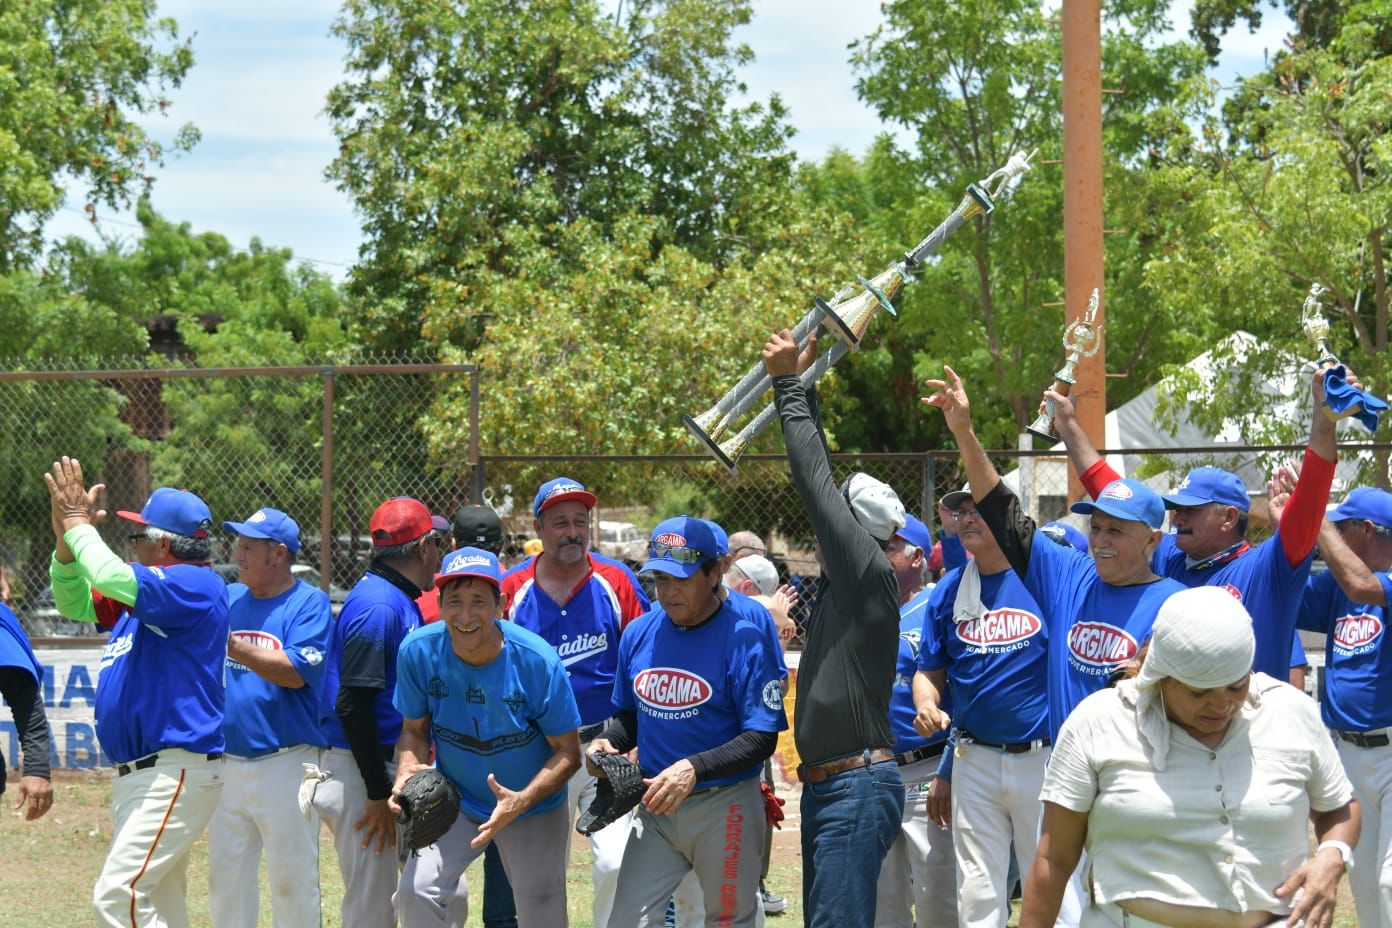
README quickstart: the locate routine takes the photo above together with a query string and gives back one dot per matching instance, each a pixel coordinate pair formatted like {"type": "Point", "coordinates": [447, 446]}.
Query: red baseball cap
{"type": "Point", "coordinates": [401, 520]}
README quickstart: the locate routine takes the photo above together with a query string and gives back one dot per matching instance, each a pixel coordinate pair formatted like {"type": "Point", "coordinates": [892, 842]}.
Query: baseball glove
{"type": "Point", "coordinates": [429, 806]}
{"type": "Point", "coordinates": [616, 793]}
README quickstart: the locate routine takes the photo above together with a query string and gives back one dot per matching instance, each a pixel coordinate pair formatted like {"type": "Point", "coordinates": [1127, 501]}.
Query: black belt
{"type": "Point", "coordinates": [918, 754]}
{"type": "Point", "coordinates": [1022, 747]}
{"type": "Point", "coordinates": [145, 763]}
{"type": "Point", "coordinates": [591, 732]}
{"type": "Point", "coordinates": [1362, 740]}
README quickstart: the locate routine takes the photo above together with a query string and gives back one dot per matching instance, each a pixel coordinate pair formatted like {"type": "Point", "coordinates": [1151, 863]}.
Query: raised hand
{"type": "Point", "coordinates": [951, 397]}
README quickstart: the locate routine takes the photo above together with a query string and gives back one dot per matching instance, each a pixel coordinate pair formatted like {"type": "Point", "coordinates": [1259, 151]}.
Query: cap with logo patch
{"type": "Point", "coordinates": [470, 562]}
{"type": "Point", "coordinates": [1204, 485]}
{"type": "Point", "coordinates": [401, 520]}
{"type": "Point", "coordinates": [270, 525]}
{"type": "Point", "coordinates": [1369, 503]}
{"type": "Point", "coordinates": [1129, 500]}
{"type": "Point", "coordinates": [558, 491]}
{"type": "Point", "coordinates": [478, 527]}
{"type": "Point", "coordinates": [680, 546]}
{"type": "Point", "coordinates": [177, 511]}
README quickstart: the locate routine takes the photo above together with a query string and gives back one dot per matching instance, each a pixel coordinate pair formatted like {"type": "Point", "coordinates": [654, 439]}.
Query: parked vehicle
{"type": "Point", "coordinates": [623, 541]}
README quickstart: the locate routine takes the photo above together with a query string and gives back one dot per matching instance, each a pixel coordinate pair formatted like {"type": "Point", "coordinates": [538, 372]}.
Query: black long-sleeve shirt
{"type": "Point", "coordinates": [847, 669]}
{"type": "Point", "coordinates": [21, 691]}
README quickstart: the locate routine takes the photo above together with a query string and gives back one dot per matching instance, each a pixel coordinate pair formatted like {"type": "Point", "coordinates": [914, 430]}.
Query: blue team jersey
{"type": "Point", "coordinates": [15, 650]}
{"type": "Point", "coordinates": [998, 665]}
{"type": "Point", "coordinates": [376, 617]}
{"type": "Point", "coordinates": [1095, 628]}
{"type": "Point", "coordinates": [490, 719]}
{"type": "Point", "coordinates": [263, 716]}
{"type": "Point", "coordinates": [161, 679]}
{"type": "Point", "coordinates": [694, 689]}
{"type": "Point", "coordinates": [1266, 584]}
{"type": "Point", "coordinates": [1357, 680]}
{"type": "Point", "coordinates": [901, 704]}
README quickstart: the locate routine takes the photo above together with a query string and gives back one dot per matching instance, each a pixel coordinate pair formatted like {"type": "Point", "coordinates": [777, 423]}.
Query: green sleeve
{"type": "Point", "coordinates": [71, 594]}
{"type": "Point", "coordinates": [100, 567]}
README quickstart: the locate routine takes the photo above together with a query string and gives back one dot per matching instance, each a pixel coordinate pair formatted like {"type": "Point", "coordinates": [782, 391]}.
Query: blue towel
{"type": "Point", "coordinates": [1344, 399]}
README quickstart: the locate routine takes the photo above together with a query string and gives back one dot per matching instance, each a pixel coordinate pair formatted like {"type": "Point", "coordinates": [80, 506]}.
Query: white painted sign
{"type": "Point", "coordinates": [70, 700]}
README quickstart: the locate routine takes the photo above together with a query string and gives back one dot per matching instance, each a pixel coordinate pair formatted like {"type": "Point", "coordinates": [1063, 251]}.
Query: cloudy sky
{"type": "Point", "coordinates": [263, 68]}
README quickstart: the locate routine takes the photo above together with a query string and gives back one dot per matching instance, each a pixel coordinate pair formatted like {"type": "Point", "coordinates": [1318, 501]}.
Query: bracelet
{"type": "Point", "coordinates": [1343, 848]}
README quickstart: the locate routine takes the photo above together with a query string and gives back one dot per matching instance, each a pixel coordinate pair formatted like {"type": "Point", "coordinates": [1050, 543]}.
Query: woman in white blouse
{"type": "Point", "coordinates": [1191, 787]}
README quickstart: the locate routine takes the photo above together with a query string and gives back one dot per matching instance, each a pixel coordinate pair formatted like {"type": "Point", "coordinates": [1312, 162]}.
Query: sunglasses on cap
{"type": "Point", "coordinates": [678, 553]}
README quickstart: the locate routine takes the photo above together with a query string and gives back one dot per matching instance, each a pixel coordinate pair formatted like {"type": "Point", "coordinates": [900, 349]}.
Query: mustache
{"type": "Point", "coordinates": [572, 540]}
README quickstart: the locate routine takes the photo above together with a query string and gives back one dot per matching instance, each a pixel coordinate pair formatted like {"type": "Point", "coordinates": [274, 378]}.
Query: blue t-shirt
{"type": "Point", "coordinates": [15, 650]}
{"type": "Point", "coordinates": [376, 617]}
{"type": "Point", "coordinates": [1264, 581]}
{"type": "Point", "coordinates": [901, 703]}
{"type": "Point", "coordinates": [1357, 681]}
{"type": "Point", "coordinates": [694, 689]}
{"type": "Point", "coordinates": [998, 665]}
{"type": "Point", "coordinates": [161, 679]}
{"type": "Point", "coordinates": [1095, 628]}
{"type": "Point", "coordinates": [263, 716]}
{"type": "Point", "coordinates": [490, 719]}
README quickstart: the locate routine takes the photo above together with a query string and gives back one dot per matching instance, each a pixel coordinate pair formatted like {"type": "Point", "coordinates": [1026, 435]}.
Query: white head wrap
{"type": "Point", "coordinates": [1202, 638]}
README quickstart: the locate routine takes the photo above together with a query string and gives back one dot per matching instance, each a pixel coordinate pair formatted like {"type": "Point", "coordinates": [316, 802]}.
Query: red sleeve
{"type": "Point", "coordinates": [513, 581]}
{"type": "Point", "coordinates": [429, 603]}
{"type": "Point", "coordinates": [1300, 523]}
{"type": "Point", "coordinates": [630, 606]}
{"type": "Point", "coordinates": [109, 611]}
{"type": "Point", "coordinates": [1096, 477]}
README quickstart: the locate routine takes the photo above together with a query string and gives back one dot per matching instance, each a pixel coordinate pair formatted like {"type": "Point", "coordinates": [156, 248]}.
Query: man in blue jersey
{"type": "Point", "coordinates": [1349, 603]}
{"type": "Point", "coordinates": [917, 882]}
{"type": "Point", "coordinates": [986, 643]}
{"type": "Point", "coordinates": [361, 725]}
{"type": "Point", "coordinates": [21, 684]}
{"type": "Point", "coordinates": [494, 701]}
{"type": "Point", "coordinates": [699, 692]}
{"type": "Point", "coordinates": [160, 691]}
{"type": "Point", "coordinates": [275, 673]}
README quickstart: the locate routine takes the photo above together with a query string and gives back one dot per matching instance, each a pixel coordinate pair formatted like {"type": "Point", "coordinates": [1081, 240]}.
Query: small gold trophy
{"type": "Point", "coordinates": [1081, 339]}
{"type": "Point", "coordinates": [1317, 331]}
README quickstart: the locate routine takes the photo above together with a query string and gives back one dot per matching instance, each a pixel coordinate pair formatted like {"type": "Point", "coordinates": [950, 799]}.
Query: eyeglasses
{"type": "Point", "coordinates": [136, 536]}
{"type": "Point", "coordinates": [759, 551]}
{"type": "Point", "coordinates": [681, 555]}
{"type": "Point", "coordinates": [959, 514]}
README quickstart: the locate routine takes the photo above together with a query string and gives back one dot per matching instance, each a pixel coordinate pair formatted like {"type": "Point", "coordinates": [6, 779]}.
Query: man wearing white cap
{"type": "Point", "coordinates": [853, 795]}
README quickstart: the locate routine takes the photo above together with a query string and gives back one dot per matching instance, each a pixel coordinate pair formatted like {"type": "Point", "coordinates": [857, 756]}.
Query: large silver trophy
{"type": "Point", "coordinates": [847, 317]}
{"type": "Point", "coordinates": [1081, 339]}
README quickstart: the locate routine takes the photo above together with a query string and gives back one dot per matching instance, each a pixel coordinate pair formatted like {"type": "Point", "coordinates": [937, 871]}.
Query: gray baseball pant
{"type": "Point", "coordinates": [369, 878]}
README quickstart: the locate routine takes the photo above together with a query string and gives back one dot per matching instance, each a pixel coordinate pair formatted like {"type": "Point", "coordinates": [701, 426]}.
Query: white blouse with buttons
{"type": "Point", "coordinates": [1218, 827]}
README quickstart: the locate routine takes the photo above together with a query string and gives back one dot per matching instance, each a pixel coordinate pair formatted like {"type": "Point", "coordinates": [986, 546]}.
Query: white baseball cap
{"type": "Point", "coordinates": [759, 569]}
{"type": "Point", "coordinates": [875, 505]}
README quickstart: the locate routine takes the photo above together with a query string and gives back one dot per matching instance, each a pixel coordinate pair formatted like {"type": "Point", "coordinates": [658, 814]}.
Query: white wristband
{"type": "Point", "coordinates": [1344, 850]}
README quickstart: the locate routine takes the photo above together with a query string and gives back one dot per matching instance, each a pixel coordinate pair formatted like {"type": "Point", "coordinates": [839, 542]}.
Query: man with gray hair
{"type": "Point", "coordinates": [743, 544]}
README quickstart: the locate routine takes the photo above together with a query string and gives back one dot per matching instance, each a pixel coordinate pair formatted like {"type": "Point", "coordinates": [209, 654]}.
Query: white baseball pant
{"type": "Point", "coordinates": [369, 878]}
{"type": "Point", "coordinates": [606, 845]}
{"type": "Point", "coordinates": [919, 870]}
{"type": "Point", "coordinates": [433, 893]}
{"type": "Point", "coordinates": [159, 813]}
{"type": "Point", "coordinates": [1370, 772]}
{"type": "Point", "coordinates": [259, 811]}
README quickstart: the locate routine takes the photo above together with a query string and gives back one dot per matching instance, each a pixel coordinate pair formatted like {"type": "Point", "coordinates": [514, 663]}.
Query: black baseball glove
{"type": "Point", "coordinates": [616, 792]}
{"type": "Point", "coordinates": [429, 806]}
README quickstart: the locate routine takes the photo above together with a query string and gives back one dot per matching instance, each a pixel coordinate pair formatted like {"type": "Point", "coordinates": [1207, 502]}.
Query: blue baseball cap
{"type": "Point", "coordinates": [1129, 500]}
{"type": "Point", "coordinates": [177, 511]}
{"type": "Point", "coordinates": [1066, 534]}
{"type": "Point", "coordinates": [558, 491]}
{"type": "Point", "coordinates": [722, 540]}
{"type": "Point", "coordinates": [1364, 503]}
{"type": "Point", "coordinates": [680, 546]}
{"type": "Point", "coordinates": [916, 533]}
{"type": "Point", "coordinates": [470, 562]}
{"type": "Point", "coordinates": [1204, 485]}
{"type": "Point", "coordinates": [270, 524]}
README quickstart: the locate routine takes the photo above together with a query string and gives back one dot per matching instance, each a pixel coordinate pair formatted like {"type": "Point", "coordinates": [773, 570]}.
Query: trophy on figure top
{"type": "Point", "coordinates": [1081, 339]}
{"type": "Point", "coordinates": [1341, 398]}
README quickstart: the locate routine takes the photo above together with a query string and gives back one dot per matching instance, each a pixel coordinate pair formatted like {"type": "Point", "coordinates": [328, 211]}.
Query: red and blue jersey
{"type": "Point", "coordinates": [160, 684]}
{"type": "Point", "coordinates": [1357, 680]}
{"type": "Point", "coordinates": [584, 629]}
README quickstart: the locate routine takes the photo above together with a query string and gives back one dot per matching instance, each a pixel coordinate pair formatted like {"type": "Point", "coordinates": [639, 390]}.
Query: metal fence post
{"type": "Point", "coordinates": [326, 541]}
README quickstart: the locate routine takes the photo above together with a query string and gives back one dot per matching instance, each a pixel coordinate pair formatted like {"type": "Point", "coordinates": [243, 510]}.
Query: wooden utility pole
{"type": "Point", "coordinates": [1082, 203]}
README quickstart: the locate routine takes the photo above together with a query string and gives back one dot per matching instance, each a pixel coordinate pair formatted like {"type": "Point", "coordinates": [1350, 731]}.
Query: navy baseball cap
{"type": "Point", "coordinates": [1129, 500]}
{"type": "Point", "coordinates": [680, 546]}
{"type": "Point", "coordinates": [722, 540]}
{"type": "Point", "coordinates": [1204, 485]}
{"type": "Point", "coordinates": [1065, 534]}
{"type": "Point", "coordinates": [558, 491]}
{"type": "Point", "coordinates": [177, 511]}
{"type": "Point", "coordinates": [1364, 503]}
{"type": "Point", "coordinates": [916, 533]}
{"type": "Point", "coordinates": [271, 525]}
{"type": "Point", "coordinates": [470, 562]}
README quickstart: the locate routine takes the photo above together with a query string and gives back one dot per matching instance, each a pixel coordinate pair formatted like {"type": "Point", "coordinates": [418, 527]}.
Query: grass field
{"type": "Point", "coordinates": [49, 867]}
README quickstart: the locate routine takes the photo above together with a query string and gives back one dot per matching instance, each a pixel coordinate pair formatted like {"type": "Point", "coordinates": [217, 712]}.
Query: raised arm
{"type": "Point", "coordinates": [1354, 577]}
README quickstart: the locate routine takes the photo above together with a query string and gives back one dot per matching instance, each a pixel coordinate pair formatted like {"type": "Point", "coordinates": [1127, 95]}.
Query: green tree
{"type": "Point", "coordinates": [77, 79]}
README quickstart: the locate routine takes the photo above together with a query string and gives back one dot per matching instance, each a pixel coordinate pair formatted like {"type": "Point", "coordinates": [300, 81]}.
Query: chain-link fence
{"type": "Point", "coordinates": [325, 443]}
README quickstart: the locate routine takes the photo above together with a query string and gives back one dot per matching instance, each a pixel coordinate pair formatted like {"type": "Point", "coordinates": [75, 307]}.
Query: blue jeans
{"type": "Point", "coordinates": [849, 822]}
{"type": "Point", "coordinates": [499, 910]}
